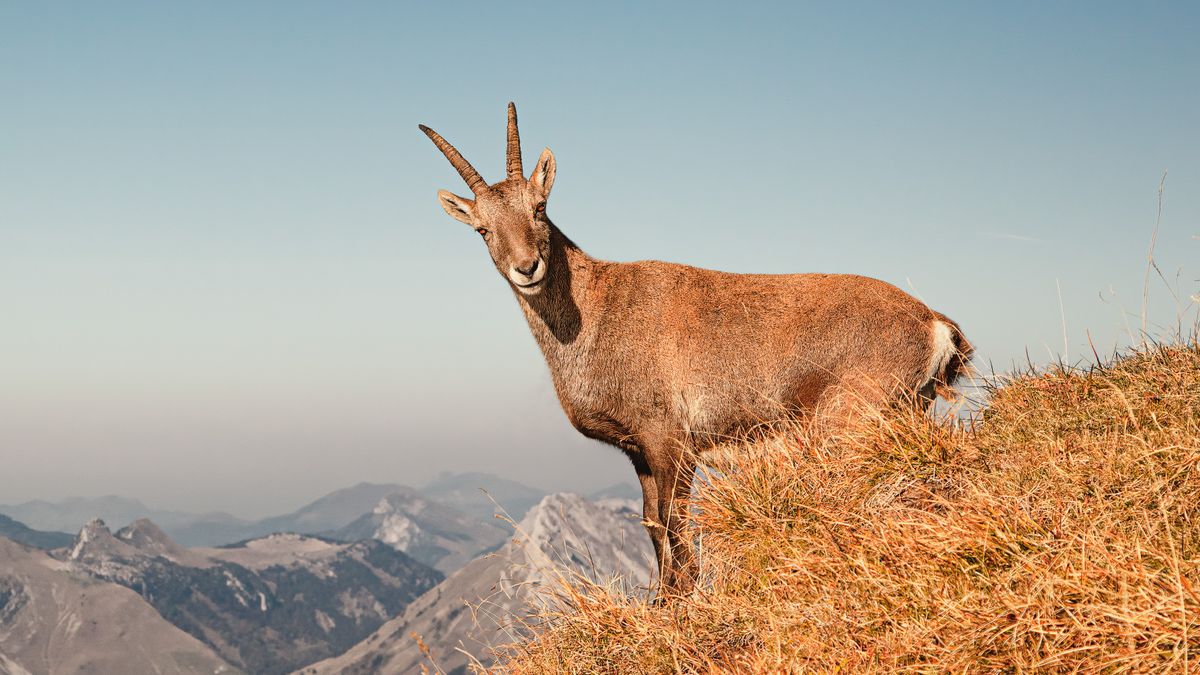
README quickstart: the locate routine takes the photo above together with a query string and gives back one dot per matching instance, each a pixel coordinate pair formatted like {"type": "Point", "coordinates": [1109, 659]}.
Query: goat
{"type": "Point", "coordinates": [667, 361]}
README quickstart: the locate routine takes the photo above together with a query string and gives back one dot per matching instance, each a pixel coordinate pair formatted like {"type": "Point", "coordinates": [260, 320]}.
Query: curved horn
{"type": "Point", "coordinates": [514, 144]}
{"type": "Point", "coordinates": [464, 168]}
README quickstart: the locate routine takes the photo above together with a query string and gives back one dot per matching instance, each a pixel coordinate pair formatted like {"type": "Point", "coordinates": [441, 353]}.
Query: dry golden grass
{"type": "Point", "coordinates": [1062, 533]}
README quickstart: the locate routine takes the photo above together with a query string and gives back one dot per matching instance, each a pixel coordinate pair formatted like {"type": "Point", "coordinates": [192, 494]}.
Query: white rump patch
{"type": "Point", "coordinates": [943, 349]}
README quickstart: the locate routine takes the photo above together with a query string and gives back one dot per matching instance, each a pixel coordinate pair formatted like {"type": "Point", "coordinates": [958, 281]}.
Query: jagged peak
{"type": "Point", "coordinates": [95, 525]}
{"type": "Point", "coordinates": [142, 527]}
{"type": "Point", "coordinates": [94, 536]}
{"type": "Point", "coordinates": [148, 537]}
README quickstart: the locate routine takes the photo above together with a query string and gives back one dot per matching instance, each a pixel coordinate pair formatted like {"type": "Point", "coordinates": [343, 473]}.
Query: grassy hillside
{"type": "Point", "coordinates": [1060, 533]}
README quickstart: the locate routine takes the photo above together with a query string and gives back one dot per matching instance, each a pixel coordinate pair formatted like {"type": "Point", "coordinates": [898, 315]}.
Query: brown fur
{"type": "Point", "coordinates": [665, 361]}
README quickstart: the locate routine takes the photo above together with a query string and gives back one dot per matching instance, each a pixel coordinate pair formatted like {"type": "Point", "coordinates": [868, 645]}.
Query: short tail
{"type": "Point", "coordinates": [951, 357]}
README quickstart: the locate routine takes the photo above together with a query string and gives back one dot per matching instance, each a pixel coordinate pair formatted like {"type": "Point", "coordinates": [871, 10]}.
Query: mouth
{"type": "Point", "coordinates": [529, 284]}
{"type": "Point", "coordinates": [529, 287]}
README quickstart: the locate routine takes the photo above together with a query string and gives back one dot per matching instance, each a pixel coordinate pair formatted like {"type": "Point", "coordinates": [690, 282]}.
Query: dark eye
{"type": "Point", "coordinates": [540, 208]}
{"type": "Point", "coordinates": [482, 230]}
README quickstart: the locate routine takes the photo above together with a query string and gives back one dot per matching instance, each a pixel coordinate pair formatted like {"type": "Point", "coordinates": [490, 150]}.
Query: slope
{"type": "Point", "coordinates": [1059, 534]}
{"type": "Point", "coordinates": [53, 621]}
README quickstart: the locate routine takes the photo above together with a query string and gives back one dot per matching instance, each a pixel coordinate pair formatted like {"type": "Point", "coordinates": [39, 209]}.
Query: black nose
{"type": "Point", "coordinates": [528, 268]}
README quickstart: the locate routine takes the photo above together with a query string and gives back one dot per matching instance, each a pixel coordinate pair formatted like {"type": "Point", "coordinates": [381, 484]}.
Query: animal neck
{"type": "Point", "coordinates": [557, 315]}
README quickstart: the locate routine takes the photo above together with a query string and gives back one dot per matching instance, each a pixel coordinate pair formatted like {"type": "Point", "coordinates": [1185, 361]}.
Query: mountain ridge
{"type": "Point", "coordinates": [327, 513]}
{"type": "Point", "coordinates": [481, 605]}
{"type": "Point", "coordinates": [22, 533]}
{"type": "Point", "coordinates": [268, 605]}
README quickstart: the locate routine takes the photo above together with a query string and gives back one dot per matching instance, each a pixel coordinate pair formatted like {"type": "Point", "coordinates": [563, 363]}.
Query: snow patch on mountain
{"type": "Point", "coordinates": [395, 528]}
{"type": "Point", "coordinates": [430, 531]}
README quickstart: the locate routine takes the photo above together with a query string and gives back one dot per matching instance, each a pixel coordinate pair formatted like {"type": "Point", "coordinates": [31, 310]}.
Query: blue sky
{"type": "Point", "coordinates": [226, 282]}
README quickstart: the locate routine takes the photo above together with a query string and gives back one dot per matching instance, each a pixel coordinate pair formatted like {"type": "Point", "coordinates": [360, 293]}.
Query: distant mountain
{"type": "Point", "coordinates": [484, 495]}
{"type": "Point", "coordinates": [267, 605]}
{"type": "Point", "coordinates": [438, 535]}
{"type": "Point", "coordinates": [562, 530]}
{"type": "Point", "coordinates": [332, 512]}
{"type": "Point", "coordinates": [53, 620]}
{"type": "Point", "coordinates": [204, 529]}
{"type": "Point", "coordinates": [69, 515]}
{"type": "Point", "coordinates": [18, 532]}
{"type": "Point", "coordinates": [336, 509]}
{"type": "Point", "coordinates": [329, 513]}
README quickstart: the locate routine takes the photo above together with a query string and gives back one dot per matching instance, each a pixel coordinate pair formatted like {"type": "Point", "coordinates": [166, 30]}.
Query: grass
{"type": "Point", "coordinates": [1059, 533]}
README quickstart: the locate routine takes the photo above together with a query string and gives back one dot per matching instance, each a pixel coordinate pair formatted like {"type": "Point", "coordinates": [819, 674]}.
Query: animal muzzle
{"type": "Point", "coordinates": [527, 273]}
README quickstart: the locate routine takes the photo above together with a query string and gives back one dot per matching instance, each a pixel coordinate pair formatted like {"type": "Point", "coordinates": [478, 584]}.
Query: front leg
{"type": "Point", "coordinates": [651, 518]}
{"type": "Point", "coordinates": [674, 482]}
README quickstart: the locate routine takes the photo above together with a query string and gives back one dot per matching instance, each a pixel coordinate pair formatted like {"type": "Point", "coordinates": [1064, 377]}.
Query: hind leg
{"type": "Point", "coordinates": [925, 396]}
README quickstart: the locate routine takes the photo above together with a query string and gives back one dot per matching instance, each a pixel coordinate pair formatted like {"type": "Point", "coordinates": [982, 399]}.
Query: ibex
{"type": "Point", "coordinates": [667, 361]}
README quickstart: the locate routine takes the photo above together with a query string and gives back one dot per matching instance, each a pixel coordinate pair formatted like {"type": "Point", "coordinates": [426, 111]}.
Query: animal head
{"type": "Point", "coordinates": [511, 214]}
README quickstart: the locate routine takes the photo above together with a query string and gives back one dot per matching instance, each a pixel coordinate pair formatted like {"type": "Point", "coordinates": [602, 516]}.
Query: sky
{"type": "Point", "coordinates": [226, 283]}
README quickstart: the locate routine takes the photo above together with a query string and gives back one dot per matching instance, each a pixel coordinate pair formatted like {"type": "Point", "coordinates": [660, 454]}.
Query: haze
{"type": "Point", "coordinates": [226, 283]}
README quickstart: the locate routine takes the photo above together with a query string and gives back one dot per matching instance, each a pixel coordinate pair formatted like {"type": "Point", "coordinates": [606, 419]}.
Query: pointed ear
{"type": "Point", "coordinates": [542, 178]}
{"type": "Point", "coordinates": [459, 208]}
